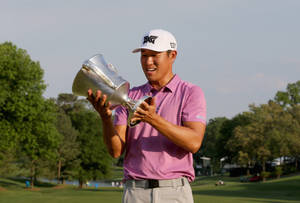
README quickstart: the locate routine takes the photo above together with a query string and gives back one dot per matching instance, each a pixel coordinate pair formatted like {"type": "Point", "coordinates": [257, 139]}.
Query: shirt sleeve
{"type": "Point", "coordinates": [195, 106]}
{"type": "Point", "coordinates": [120, 116]}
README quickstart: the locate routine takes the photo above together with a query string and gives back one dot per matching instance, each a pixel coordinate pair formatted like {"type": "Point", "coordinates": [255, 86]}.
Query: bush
{"type": "Point", "coordinates": [293, 169]}
{"type": "Point", "coordinates": [278, 171]}
{"type": "Point", "coordinates": [265, 175]}
{"type": "Point", "coordinates": [287, 169]}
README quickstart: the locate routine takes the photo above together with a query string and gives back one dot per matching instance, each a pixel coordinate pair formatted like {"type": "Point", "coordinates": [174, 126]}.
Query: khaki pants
{"type": "Point", "coordinates": [167, 193]}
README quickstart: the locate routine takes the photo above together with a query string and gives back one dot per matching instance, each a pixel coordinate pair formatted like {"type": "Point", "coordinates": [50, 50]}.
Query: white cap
{"type": "Point", "coordinates": [158, 40]}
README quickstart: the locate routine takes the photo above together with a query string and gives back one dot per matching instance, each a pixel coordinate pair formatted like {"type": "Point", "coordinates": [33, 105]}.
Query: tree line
{"type": "Point", "coordinates": [61, 138]}
{"type": "Point", "coordinates": [257, 137]}
{"type": "Point", "coordinates": [53, 138]}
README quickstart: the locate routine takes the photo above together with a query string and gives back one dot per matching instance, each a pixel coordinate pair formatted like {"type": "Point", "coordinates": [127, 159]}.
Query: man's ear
{"type": "Point", "coordinates": [173, 55]}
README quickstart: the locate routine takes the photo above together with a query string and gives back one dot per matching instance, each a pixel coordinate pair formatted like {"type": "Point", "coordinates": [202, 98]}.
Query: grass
{"type": "Point", "coordinates": [282, 190]}
{"type": "Point", "coordinates": [279, 190]}
{"type": "Point", "coordinates": [117, 173]}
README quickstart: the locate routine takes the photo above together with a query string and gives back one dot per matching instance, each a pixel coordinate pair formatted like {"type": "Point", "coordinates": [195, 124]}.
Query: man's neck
{"type": "Point", "coordinates": [160, 84]}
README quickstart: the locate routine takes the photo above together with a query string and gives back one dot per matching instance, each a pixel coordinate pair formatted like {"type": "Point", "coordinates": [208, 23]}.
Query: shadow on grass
{"type": "Point", "coordinates": [287, 189]}
{"type": "Point", "coordinates": [8, 184]}
{"type": "Point", "coordinates": [103, 190]}
{"type": "Point", "coordinates": [37, 183]}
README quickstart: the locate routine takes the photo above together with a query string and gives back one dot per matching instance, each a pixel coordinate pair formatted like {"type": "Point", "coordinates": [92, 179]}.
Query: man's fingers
{"type": "Point", "coordinates": [144, 105]}
{"type": "Point", "coordinates": [147, 103]}
{"type": "Point", "coordinates": [103, 101]}
{"type": "Point", "coordinates": [98, 96]}
{"type": "Point", "coordinates": [90, 95]}
{"type": "Point", "coordinates": [134, 120]}
{"type": "Point", "coordinates": [97, 100]}
{"type": "Point", "coordinates": [90, 92]}
{"type": "Point", "coordinates": [99, 103]}
{"type": "Point", "coordinates": [140, 111]}
{"type": "Point", "coordinates": [108, 105]}
{"type": "Point", "coordinates": [152, 102]}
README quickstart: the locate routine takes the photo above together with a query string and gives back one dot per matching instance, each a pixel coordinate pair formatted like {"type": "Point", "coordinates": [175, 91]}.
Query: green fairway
{"type": "Point", "coordinates": [282, 190]}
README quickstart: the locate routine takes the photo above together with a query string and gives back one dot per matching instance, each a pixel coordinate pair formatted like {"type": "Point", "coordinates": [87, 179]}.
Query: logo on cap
{"type": "Point", "coordinates": [150, 39]}
{"type": "Point", "coordinates": [173, 45]}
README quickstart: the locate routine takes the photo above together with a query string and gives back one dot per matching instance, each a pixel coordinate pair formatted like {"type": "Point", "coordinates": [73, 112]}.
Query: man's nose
{"type": "Point", "coordinates": [149, 60]}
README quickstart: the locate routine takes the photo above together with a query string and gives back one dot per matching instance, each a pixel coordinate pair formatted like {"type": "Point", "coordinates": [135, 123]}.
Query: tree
{"type": "Point", "coordinates": [8, 74]}
{"type": "Point", "coordinates": [235, 144]}
{"type": "Point", "coordinates": [41, 138]}
{"type": "Point", "coordinates": [227, 131]}
{"type": "Point", "coordinates": [68, 149]}
{"type": "Point", "coordinates": [291, 97]}
{"type": "Point", "coordinates": [67, 102]}
{"type": "Point", "coordinates": [294, 138]}
{"type": "Point", "coordinates": [265, 137]}
{"type": "Point", "coordinates": [209, 145]}
{"type": "Point", "coordinates": [290, 100]}
{"type": "Point", "coordinates": [7, 147]}
{"type": "Point", "coordinates": [95, 162]}
{"type": "Point", "coordinates": [27, 120]}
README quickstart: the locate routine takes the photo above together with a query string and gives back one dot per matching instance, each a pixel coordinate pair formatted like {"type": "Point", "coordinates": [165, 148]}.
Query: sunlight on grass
{"type": "Point", "coordinates": [204, 190]}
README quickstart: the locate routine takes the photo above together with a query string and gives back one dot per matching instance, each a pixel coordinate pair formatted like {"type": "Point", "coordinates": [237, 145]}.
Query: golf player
{"type": "Point", "coordinates": [158, 161]}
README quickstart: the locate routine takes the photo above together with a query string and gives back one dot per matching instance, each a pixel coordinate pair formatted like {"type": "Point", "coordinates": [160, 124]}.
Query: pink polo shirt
{"type": "Point", "coordinates": [149, 154]}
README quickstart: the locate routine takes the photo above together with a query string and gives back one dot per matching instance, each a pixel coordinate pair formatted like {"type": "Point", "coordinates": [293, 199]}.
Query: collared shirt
{"type": "Point", "coordinates": [149, 154]}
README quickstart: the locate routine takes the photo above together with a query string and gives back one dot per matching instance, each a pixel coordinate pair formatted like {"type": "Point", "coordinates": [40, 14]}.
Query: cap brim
{"type": "Point", "coordinates": [139, 49]}
{"type": "Point", "coordinates": [136, 50]}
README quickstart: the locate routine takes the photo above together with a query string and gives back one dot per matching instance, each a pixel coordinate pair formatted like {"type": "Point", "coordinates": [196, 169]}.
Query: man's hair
{"type": "Point", "coordinates": [169, 51]}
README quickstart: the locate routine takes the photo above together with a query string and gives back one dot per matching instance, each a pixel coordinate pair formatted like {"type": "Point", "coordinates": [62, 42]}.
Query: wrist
{"type": "Point", "coordinates": [155, 119]}
{"type": "Point", "coordinates": [106, 117]}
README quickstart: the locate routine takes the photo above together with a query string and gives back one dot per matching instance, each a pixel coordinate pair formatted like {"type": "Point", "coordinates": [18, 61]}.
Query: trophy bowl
{"type": "Point", "coordinates": [97, 74]}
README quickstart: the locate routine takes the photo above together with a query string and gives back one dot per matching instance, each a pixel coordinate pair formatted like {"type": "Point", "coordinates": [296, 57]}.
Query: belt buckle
{"type": "Point", "coordinates": [153, 183]}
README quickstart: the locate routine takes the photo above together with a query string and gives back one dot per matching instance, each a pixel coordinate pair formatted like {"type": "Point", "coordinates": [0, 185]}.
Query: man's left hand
{"type": "Point", "coordinates": [145, 112]}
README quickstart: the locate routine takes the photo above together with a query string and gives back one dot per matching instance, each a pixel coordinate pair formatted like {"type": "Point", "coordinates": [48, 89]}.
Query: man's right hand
{"type": "Point", "coordinates": [100, 104]}
{"type": "Point", "coordinates": [113, 136]}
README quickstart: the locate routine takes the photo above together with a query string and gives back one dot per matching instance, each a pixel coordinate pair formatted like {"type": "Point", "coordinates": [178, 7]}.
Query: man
{"type": "Point", "coordinates": [158, 162]}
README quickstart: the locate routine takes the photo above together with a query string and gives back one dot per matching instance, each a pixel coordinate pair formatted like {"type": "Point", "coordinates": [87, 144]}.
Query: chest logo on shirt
{"type": "Point", "coordinates": [200, 117]}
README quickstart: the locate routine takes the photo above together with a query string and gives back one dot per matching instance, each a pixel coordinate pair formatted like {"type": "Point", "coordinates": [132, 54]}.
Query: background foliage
{"type": "Point", "coordinates": [61, 137]}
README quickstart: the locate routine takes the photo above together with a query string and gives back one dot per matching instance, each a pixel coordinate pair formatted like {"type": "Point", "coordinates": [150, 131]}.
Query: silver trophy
{"type": "Point", "coordinates": [97, 74]}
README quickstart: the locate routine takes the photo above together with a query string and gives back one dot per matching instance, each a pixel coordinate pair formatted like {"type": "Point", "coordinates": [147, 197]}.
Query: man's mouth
{"type": "Point", "coordinates": [150, 69]}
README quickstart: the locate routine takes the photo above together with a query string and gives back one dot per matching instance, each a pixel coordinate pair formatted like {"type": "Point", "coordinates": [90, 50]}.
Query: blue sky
{"type": "Point", "coordinates": [238, 51]}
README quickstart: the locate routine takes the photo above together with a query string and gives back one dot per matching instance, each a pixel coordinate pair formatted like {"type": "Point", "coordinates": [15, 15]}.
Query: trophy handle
{"type": "Point", "coordinates": [131, 111]}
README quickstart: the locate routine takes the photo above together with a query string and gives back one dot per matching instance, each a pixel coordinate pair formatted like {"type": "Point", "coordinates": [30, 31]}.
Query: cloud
{"type": "Point", "coordinates": [292, 62]}
{"type": "Point", "coordinates": [257, 83]}
{"type": "Point", "coordinates": [268, 82]}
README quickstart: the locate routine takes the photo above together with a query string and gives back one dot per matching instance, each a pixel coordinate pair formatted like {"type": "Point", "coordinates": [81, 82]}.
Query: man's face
{"type": "Point", "coordinates": [157, 66]}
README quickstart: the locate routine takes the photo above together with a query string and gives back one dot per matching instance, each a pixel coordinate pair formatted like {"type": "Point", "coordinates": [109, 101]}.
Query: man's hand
{"type": "Point", "coordinates": [189, 136]}
{"type": "Point", "coordinates": [145, 112]}
{"type": "Point", "coordinates": [100, 104]}
{"type": "Point", "coordinates": [113, 136]}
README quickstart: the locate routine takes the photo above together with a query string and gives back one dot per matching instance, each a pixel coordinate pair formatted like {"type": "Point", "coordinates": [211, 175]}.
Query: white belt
{"type": "Point", "coordinates": [152, 183]}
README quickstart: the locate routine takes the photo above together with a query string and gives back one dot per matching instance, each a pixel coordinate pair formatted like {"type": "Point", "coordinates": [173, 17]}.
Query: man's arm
{"type": "Point", "coordinates": [189, 136]}
{"type": "Point", "coordinates": [113, 136]}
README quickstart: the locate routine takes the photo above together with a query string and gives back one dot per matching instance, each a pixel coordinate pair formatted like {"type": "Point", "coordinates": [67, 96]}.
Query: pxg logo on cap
{"type": "Point", "coordinates": [150, 39]}
{"type": "Point", "coordinates": [158, 40]}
